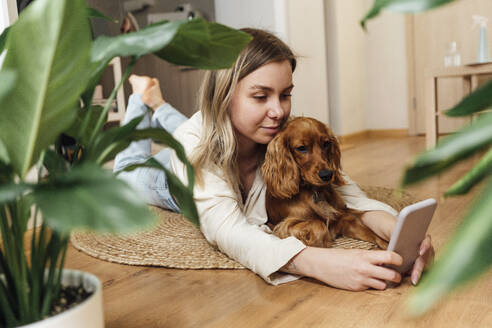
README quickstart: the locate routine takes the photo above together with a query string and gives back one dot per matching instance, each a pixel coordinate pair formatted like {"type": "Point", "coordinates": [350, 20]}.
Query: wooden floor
{"type": "Point", "coordinates": [159, 297]}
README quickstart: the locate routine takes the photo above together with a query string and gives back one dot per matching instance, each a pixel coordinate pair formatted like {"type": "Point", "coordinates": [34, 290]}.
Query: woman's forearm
{"type": "Point", "coordinates": [381, 222]}
{"type": "Point", "coordinates": [351, 269]}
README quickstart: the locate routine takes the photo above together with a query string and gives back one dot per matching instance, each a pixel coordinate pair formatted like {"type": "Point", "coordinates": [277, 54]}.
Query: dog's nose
{"type": "Point", "coordinates": [325, 175]}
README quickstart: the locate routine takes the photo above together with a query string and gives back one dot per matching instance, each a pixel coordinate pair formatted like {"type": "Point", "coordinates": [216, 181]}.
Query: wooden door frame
{"type": "Point", "coordinates": [410, 62]}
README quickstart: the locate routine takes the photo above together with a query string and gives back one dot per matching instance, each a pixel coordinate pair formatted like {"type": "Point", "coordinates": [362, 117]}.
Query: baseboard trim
{"type": "Point", "coordinates": [347, 140]}
{"type": "Point", "coordinates": [389, 133]}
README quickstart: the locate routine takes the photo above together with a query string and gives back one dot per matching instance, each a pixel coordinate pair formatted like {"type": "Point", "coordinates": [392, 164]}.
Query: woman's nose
{"type": "Point", "coordinates": [276, 111]}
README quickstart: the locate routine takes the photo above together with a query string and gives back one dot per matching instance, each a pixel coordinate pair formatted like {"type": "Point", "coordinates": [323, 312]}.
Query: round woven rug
{"type": "Point", "coordinates": [176, 243]}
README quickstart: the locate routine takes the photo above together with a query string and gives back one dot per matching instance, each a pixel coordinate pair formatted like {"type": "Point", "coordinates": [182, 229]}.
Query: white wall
{"type": "Point", "coordinates": [387, 106]}
{"type": "Point", "coordinates": [348, 68]}
{"type": "Point", "coordinates": [251, 13]}
{"type": "Point", "coordinates": [306, 36]}
{"type": "Point", "coordinates": [8, 15]}
{"type": "Point", "coordinates": [351, 79]}
{"type": "Point", "coordinates": [366, 70]}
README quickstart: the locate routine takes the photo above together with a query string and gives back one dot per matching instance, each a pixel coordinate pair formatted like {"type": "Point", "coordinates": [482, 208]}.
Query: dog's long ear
{"type": "Point", "coordinates": [336, 154]}
{"type": "Point", "coordinates": [279, 169]}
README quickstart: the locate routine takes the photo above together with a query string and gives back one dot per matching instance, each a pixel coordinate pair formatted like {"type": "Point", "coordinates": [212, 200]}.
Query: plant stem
{"type": "Point", "coordinates": [60, 266]}
{"type": "Point", "coordinates": [18, 229]}
{"type": "Point", "coordinates": [54, 248]}
{"type": "Point", "coordinates": [15, 283]}
{"type": "Point", "coordinates": [37, 272]}
{"type": "Point", "coordinates": [6, 309]}
{"type": "Point", "coordinates": [102, 117]}
{"type": "Point", "coordinates": [7, 301]}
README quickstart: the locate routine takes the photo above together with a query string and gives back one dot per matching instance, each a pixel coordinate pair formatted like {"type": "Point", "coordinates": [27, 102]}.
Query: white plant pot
{"type": "Point", "coordinates": [84, 315]}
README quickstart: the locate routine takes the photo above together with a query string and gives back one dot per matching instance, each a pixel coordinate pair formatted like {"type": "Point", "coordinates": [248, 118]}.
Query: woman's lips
{"type": "Point", "coordinates": [271, 129]}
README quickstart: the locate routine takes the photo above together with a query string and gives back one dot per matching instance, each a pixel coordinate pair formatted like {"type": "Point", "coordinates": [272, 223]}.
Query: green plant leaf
{"type": "Point", "coordinates": [181, 193]}
{"type": "Point", "coordinates": [75, 130]}
{"type": "Point", "coordinates": [450, 150]}
{"type": "Point", "coordinates": [403, 6]}
{"type": "Point", "coordinates": [6, 171]}
{"type": "Point", "coordinates": [205, 45]}
{"type": "Point", "coordinates": [89, 197]}
{"type": "Point", "coordinates": [202, 45]}
{"type": "Point", "coordinates": [139, 43]}
{"type": "Point", "coordinates": [4, 156]}
{"type": "Point", "coordinates": [164, 137]}
{"type": "Point", "coordinates": [10, 192]}
{"type": "Point", "coordinates": [479, 100]}
{"type": "Point", "coordinates": [8, 79]}
{"type": "Point", "coordinates": [3, 39]}
{"type": "Point", "coordinates": [49, 47]}
{"type": "Point", "coordinates": [7, 83]}
{"type": "Point", "coordinates": [467, 255]}
{"type": "Point", "coordinates": [94, 13]}
{"type": "Point", "coordinates": [111, 142]}
{"type": "Point", "coordinates": [481, 170]}
{"type": "Point", "coordinates": [55, 163]}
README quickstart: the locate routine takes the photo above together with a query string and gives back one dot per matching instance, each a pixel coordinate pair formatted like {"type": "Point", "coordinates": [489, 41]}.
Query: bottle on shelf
{"type": "Point", "coordinates": [452, 57]}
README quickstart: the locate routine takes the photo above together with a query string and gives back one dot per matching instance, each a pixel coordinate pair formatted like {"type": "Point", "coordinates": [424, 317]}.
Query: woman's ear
{"type": "Point", "coordinates": [279, 169]}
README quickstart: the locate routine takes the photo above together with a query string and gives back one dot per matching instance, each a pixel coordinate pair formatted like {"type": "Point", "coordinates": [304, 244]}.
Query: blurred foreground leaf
{"type": "Point", "coordinates": [403, 6]}
{"type": "Point", "coordinates": [90, 197]}
{"type": "Point", "coordinates": [464, 258]}
{"type": "Point", "coordinates": [450, 150]}
{"type": "Point", "coordinates": [481, 170]}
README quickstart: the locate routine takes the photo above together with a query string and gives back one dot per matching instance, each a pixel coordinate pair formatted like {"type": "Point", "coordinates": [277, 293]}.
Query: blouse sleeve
{"type": "Point", "coordinates": [224, 225]}
{"type": "Point", "coordinates": [357, 199]}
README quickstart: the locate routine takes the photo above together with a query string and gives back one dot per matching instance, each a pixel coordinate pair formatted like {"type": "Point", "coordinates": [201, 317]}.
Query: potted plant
{"type": "Point", "coordinates": [469, 253]}
{"type": "Point", "coordinates": [47, 80]}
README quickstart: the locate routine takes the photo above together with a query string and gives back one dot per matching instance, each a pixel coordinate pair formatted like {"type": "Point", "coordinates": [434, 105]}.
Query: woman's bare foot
{"type": "Point", "coordinates": [149, 89]}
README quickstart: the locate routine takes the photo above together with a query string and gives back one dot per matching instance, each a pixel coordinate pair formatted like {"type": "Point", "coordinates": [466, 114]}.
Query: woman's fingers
{"type": "Point", "coordinates": [385, 274]}
{"type": "Point", "coordinates": [376, 284]}
{"type": "Point", "coordinates": [418, 267]}
{"type": "Point", "coordinates": [425, 245]}
{"type": "Point", "coordinates": [385, 257]}
{"type": "Point", "coordinates": [425, 259]}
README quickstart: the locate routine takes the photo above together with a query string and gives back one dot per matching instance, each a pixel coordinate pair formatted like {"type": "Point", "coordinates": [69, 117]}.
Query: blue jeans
{"type": "Point", "coordinates": [150, 183]}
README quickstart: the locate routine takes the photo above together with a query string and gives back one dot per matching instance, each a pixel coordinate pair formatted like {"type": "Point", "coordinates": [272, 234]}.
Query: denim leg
{"type": "Point", "coordinates": [167, 118]}
{"type": "Point", "coordinates": [150, 183]}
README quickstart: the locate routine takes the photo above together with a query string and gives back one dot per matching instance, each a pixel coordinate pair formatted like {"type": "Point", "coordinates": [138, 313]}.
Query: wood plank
{"type": "Point", "coordinates": [159, 297]}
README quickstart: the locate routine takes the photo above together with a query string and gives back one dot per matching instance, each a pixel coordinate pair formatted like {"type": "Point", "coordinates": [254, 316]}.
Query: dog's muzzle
{"type": "Point", "coordinates": [325, 175]}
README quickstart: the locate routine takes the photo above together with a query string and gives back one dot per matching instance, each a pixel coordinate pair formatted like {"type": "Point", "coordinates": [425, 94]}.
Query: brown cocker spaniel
{"type": "Point", "coordinates": [301, 171]}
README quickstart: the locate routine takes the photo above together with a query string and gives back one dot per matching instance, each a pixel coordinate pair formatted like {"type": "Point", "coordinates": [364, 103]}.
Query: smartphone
{"type": "Point", "coordinates": [409, 232]}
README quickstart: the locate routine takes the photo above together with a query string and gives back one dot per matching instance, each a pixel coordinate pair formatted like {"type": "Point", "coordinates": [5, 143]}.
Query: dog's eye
{"type": "Point", "coordinates": [326, 144]}
{"type": "Point", "coordinates": [301, 149]}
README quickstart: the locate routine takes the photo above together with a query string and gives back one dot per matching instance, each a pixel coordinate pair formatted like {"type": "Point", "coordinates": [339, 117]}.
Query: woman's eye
{"type": "Point", "coordinates": [260, 97]}
{"type": "Point", "coordinates": [286, 95]}
{"type": "Point", "coordinates": [301, 149]}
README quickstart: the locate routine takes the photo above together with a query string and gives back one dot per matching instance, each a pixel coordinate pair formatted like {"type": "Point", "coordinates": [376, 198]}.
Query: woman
{"type": "Point", "coordinates": [241, 110]}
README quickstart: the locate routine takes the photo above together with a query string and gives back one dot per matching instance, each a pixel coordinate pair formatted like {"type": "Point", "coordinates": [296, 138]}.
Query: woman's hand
{"type": "Point", "coordinates": [426, 257]}
{"type": "Point", "coordinates": [352, 269]}
{"type": "Point", "coordinates": [383, 223]}
{"type": "Point", "coordinates": [149, 89]}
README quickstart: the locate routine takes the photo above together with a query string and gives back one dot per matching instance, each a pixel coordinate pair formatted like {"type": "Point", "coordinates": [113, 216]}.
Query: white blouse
{"type": "Point", "coordinates": [242, 234]}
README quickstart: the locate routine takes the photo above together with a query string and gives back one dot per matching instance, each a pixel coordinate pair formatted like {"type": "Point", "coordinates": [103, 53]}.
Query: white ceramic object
{"type": "Point", "coordinates": [85, 315]}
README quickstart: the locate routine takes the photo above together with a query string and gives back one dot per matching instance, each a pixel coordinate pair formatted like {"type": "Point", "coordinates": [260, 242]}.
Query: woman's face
{"type": "Point", "coordinates": [261, 103]}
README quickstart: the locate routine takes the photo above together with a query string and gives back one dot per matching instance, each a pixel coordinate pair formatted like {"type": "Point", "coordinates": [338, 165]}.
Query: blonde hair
{"type": "Point", "coordinates": [217, 149]}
